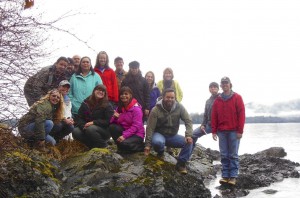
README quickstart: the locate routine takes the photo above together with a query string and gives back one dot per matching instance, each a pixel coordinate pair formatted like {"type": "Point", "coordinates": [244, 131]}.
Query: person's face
{"type": "Point", "coordinates": [149, 78]}
{"type": "Point", "coordinates": [168, 76]}
{"type": "Point", "coordinates": [76, 60]}
{"type": "Point", "coordinates": [125, 97]}
{"type": "Point", "coordinates": [55, 97]}
{"type": "Point", "coordinates": [119, 65]}
{"type": "Point", "coordinates": [61, 66]}
{"type": "Point", "coordinates": [134, 71]}
{"type": "Point", "coordinates": [85, 64]}
{"type": "Point", "coordinates": [70, 67]}
{"type": "Point", "coordinates": [102, 59]}
{"type": "Point", "coordinates": [213, 90]}
{"type": "Point", "coordinates": [225, 85]}
{"type": "Point", "coordinates": [99, 93]}
{"type": "Point", "coordinates": [64, 89]}
{"type": "Point", "coordinates": [169, 100]}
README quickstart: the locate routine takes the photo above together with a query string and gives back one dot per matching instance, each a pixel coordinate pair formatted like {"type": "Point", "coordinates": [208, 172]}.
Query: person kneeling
{"type": "Point", "coordinates": [162, 129]}
{"type": "Point", "coordinates": [93, 119]}
{"type": "Point", "coordinates": [127, 128]}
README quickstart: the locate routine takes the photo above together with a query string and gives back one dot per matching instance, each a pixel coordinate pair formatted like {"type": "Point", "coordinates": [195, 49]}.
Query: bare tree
{"type": "Point", "coordinates": [22, 39]}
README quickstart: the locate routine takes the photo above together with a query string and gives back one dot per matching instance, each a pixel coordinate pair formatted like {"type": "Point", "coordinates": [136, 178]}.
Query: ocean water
{"type": "Point", "coordinates": [258, 137]}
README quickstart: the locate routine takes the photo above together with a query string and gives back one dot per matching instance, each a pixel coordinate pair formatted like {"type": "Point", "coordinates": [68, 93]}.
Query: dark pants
{"type": "Point", "coordinates": [130, 145]}
{"type": "Point", "coordinates": [93, 136]}
{"type": "Point", "coordinates": [60, 130]}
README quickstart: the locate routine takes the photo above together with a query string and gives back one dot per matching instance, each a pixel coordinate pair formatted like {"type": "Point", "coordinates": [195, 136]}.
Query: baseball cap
{"type": "Point", "coordinates": [214, 84]}
{"type": "Point", "coordinates": [225, 79]}
{"type": "Point", "coordinates": [64, 82]}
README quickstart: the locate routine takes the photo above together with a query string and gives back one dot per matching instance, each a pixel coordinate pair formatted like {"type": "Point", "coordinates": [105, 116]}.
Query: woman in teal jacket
{"type": "Point", "coordinates": [82, 84]}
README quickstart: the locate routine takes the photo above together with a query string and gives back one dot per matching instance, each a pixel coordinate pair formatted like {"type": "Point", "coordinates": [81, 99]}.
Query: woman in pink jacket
{"type": "Point", "coordinates": [127, 128]}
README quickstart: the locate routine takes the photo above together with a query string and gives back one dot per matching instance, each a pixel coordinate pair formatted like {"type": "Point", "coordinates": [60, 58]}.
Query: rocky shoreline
{"type": "Point", "coordinates": [105, 173]}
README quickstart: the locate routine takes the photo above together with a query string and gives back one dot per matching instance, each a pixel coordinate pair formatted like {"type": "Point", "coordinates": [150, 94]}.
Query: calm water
{"type": "Point", "coordinates": [258, 137]}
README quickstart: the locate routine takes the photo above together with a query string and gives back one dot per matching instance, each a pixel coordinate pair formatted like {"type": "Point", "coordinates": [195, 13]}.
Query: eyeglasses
{"type": "Point", "coordinates": [55, 96]}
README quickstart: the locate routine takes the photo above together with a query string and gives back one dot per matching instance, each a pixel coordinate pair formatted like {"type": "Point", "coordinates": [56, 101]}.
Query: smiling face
{"type": "Point", "coordinates": [150, 78]}
{"type": "Point", "coordinates": [168, 75]}
{"type": "Point", "coordinates": [85, 64]}
{"type": "Point", "coordinates": [125, 97]}
{"type": "Point", "coordinates": [61, 66]}
{"type": "Point", "coordinates": [102, 59]}
{"type": "Point", "coordinates": [55, 97]}
{"type": "Point", "coordinates": [119, 65]}
{"type": "Point", "coordinates": [99, 94]}
{"type": "Point", "coordinates": [169, 100]}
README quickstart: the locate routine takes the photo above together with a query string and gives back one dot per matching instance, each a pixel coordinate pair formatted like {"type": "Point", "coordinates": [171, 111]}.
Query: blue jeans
{"type": "Point", "coordinates": [60, 130]}
{"type": "Point", "coordinates": [197, 133]}
{"type": "Point", "coordinates": [48, 127]}
{"type": "Point", "coordinates": [229, 147]}
{"type": "Point", "coordinates": [159, 142]}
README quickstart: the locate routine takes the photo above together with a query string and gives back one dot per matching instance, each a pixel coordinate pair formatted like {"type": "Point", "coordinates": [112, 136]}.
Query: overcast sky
{"type": "Point", "coordinates": [256, 43]}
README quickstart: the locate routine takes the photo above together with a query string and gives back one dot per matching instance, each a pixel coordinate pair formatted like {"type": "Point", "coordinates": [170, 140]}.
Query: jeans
{"type": "Point", "coordinates": [60, 130]}
{"type": "Point", "coordinates": [48, 127]}
{"type": "Point", "coordinates": [93, 136]}
{"type": "Point", "coordinates": [159, 142]}
{"type": "Point", "coordinates": [229, 146]}
{"type": "Point", "coordinates": [197, 133]}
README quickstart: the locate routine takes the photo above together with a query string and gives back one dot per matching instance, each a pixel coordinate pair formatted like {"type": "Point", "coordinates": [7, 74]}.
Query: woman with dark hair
{"type": "Point", "coordinates": [36, 124]}
{"type": "Point", "coordinates": [126, 128]}
{"type": "Point", "coordinates": [82, 84]}
{"type": "Point", "coordinates": [93, 119]}
{"type": "Point", "coordinates": [154, 91]}
{"type": "Point", "coordinates": [108, 77]}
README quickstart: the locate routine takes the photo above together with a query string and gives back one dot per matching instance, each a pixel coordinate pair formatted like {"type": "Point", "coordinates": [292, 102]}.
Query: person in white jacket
{"type": "Point", "coordinates": [66, 126]}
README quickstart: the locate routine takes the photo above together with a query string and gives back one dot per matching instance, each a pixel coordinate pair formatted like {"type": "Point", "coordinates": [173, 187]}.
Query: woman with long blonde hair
{"type": "Point", "coordinates": [37, 123]}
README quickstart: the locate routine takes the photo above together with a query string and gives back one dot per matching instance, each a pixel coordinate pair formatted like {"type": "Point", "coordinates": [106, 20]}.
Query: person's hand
{"type": "Point", "coordinates": [69, 121]}
{"type": "Point", "coordinates": [214, 136]}
{"type": "Point", "coordinates": [88, 124]}
{"type": "Point", "coordinates": [147, 150]}
{"type": "Point", "coordinates": [203, 129]}
{"type": "Point", "coordinates": [189, 140]}
{"type": "Point", "coordinates": [116, 114]}
{"type": "Point", "coordinates": [239, 135]}
{"type": "Point", "coordinates": [120, 139]}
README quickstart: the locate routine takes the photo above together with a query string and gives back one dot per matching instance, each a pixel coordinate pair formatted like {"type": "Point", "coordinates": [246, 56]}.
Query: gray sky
{"type": "Point", "coordinates": [256, 43]}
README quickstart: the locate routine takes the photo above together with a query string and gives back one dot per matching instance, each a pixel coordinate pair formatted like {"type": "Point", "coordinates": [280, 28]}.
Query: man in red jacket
{"type": "Point", "coordinates": [227, 122]}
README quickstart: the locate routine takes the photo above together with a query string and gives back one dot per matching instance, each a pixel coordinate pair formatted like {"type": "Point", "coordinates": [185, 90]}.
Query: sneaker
{"type": "Point", "coordinates": [224, 180]}
{"type": "Point", "coordinates": [181, 167]}
{"type": "Point", "coordinates": [232, 181]}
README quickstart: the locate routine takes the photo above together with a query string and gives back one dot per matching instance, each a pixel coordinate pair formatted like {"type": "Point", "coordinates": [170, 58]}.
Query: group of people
{"type": "Point", "coordinates": [98, 103]}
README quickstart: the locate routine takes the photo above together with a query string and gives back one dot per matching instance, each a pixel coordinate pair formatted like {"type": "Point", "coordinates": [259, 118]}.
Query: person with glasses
{"type": "Point", "coordinates": [227, 123]}
{"type": "Point", "coordinates": [82, 82]}
{"type": "Point", "coordinates": [37, 123]}
{"type": "Point", "coordinates": [93, 119]}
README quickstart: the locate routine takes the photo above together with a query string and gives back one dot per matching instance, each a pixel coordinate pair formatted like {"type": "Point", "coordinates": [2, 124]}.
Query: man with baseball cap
{"type": "Point", "coordinates": [227, 123]}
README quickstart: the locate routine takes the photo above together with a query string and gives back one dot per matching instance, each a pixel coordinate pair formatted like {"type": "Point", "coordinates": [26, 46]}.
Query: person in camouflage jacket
{"type": "Point", "coordinates": [46, 79]}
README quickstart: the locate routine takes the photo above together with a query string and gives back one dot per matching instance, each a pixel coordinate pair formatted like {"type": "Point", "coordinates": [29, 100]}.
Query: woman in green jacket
{"type": "Point", "coordinates": [37, 123]}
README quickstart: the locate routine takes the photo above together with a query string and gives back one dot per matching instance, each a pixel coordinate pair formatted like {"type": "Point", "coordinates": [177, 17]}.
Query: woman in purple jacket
{"type": "Point", "coordinates": [127, 128]}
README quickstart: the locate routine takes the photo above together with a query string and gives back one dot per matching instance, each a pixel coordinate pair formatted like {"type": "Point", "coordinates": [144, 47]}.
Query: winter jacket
{"type": "Point", "coordinates": [154, 94]}
{"type": "Point", "coordinates": [81, 88]}
{"type": "Point", "coordinates": [99, 115]}
{"type": "Point", "coordinates": [109, 79]}
{"type": "Point", "coordinates": [141, 91]}
{"type": "Point", "coordinates": [167, 123]}
{"type": "Point", "coordinates": [207, 111]}
{"type": "Point", "coordinates": [228, 115]}
{"type": "Point", "coordinates": [131, 119]}
{"type": "Point", "coordinates": [37, 114]}
{"type": "Point", "coordinates": [175, 86]}
{"type": "Point", "coordinates": [39, 84]}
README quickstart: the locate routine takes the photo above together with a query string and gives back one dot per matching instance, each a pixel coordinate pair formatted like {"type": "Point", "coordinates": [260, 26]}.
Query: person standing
{"type": "Point", "coordinates": [169, 82]}
{"type": "Point", "coordinates": [205, 127]}
{"type": "Point", "coordinates": [93, 119]}
{"type": "Point", "coordinates": [154, 91]}
{"type": "Point", "coordinates": [82, 84]}
{"type": "Point", "coordinates": [227, 122]}
{"type": "Point", "coordinates": [66, 126]}
{"type": "Point", "coordinates": [108, 77]}
{"type": "Point", "coordinates": [76, 60]}
{"type": "Point", "coordinates": [139, 86]}
{"type": "Point", "coordinates": [120, 72]}
{"type": "Point", "coordinates": [127, 128]}
{"type": "Point", "coordinates": [46, 79]}
{"type": "Point", "coordinates": [162, 129]}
